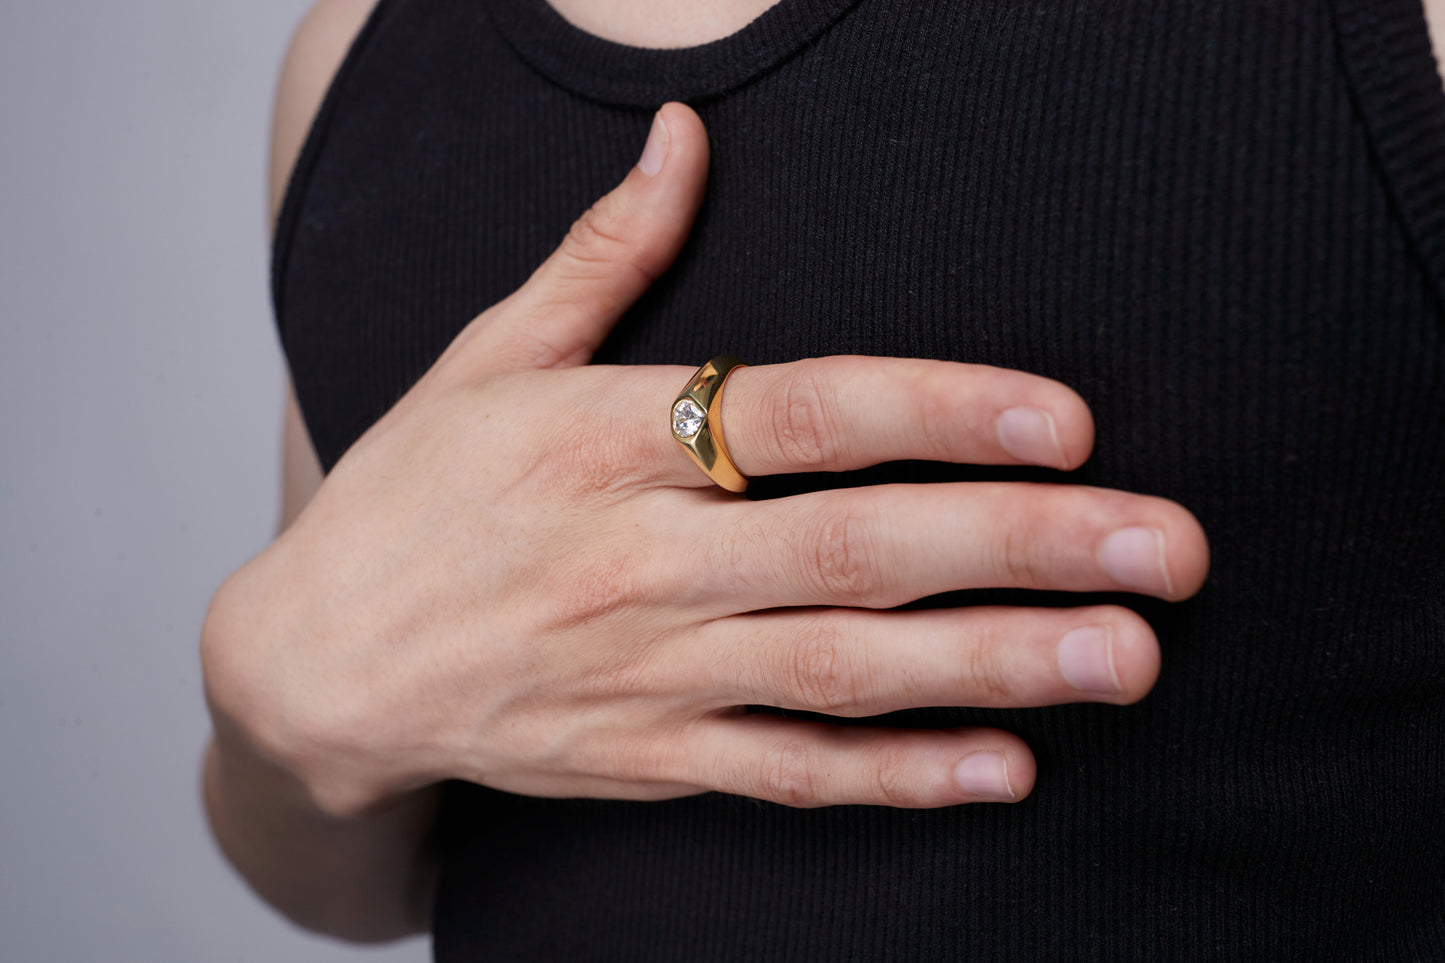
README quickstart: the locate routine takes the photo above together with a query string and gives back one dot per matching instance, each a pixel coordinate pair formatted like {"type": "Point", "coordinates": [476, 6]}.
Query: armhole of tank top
{"type": "Point", "coordinates": [294, 198]}
{"type": "Point", "coordinates": [1397, 89]}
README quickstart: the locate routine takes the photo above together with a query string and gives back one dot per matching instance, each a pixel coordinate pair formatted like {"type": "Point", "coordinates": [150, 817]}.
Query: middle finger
{"type": "Point", "coordinates": [885, 545]}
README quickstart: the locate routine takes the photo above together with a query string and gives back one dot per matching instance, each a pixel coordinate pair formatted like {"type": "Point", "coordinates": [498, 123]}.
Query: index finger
{"type": "Point", "coordinates": [847, 412]}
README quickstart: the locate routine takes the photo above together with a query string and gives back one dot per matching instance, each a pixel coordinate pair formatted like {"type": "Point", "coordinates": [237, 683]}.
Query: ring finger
{"type": "Point", "coordinates": [855, 662]}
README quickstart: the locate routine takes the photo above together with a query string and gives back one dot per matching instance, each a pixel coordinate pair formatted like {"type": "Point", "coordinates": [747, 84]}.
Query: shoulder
{"type": "Point", "coordinates": [317, 49]}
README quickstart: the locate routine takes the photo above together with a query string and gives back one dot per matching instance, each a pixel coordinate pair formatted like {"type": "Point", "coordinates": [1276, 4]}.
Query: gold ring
{"type": "Point", "coordinates": [697, 422]}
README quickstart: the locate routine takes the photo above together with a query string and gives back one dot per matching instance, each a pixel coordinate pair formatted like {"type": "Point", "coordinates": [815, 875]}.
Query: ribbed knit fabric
{"type": "Point", "coordinates": [1222, 223]}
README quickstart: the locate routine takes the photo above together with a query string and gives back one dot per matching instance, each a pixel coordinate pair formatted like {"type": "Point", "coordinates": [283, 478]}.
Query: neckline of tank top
{"type": "Point", "coordinates": [616, 73]}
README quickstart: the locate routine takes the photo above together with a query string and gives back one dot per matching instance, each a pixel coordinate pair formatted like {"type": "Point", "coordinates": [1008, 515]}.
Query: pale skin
{"type": "Point", "coordinates": [428, 613]}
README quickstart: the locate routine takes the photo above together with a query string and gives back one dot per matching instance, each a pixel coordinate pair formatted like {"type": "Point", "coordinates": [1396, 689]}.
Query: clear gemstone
{"type": "Point", "coordinates": [687, 418]}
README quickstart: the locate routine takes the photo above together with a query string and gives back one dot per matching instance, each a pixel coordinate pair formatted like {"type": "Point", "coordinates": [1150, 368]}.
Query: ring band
{"type": "Point", "coordinates": [697, 422]}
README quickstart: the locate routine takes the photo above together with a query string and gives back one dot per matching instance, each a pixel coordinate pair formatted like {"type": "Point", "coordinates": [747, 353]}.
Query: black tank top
{"type": "Point", "coordinates": [1222, 223]}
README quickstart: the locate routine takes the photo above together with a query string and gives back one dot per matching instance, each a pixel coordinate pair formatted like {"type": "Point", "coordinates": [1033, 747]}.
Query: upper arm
{"type": "Point", "coordinates": [317, 48]}
{"type": "Point", "coordinates": [1435, 17]}
{"type": "Point", "coordinates": [301, 473]}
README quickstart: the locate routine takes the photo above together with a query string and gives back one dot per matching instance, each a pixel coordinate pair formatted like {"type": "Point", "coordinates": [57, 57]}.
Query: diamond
{"type": "Point", "coordinates": [687, 419]}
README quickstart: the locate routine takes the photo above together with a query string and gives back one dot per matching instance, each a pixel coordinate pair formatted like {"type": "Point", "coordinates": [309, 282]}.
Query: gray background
{"type": "Point", "coordinates": [140, 404]}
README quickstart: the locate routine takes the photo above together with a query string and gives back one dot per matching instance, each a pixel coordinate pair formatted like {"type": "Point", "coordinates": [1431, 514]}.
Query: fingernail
{"type": "Point", "coordinates": [1086, 660]}
{"type": "Point", "coordinates": [1135, 557]}
{"type": "Point", "coordinates": [1029, 435]}
{"type": "Point", "coordinates": [658, 140]}
{"type": "Point", "coordinates": [984, 774]}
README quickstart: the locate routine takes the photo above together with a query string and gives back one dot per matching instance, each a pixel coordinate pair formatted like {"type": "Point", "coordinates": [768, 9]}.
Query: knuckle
{"type": "Point", "coordinates": [536, 351]}
{"type": "Point", "coordinates": [1020, 556]}
{"type": "Point", "coordinates": [626, 674]}
{"type": "Point", "coordinates": [935, 414]}
{"type": "Point", "coordinates": [592, 236]}
{"type": "Point", "coordinates": [988, 674]}
{"type": "Point", "coordinates": [755, 553]}
{"type": "Point", "coordinates": [596, 246]}
{"type": "Point", "coordinates": [632, 761]}
{"type": "Point", "coordinates": [802, 427]}
{"type": "Point", "coordinates": [575, 471]}
{"type": "Point", "coordinates": [843, 562]}
{"type": "Point", "coordinates": [788, 775]}
{"type": "Point", "coordinates": [822, 673]}
{"type": "Point", "coordinates": [892, 776]}
{"type": "Point", "coordinates": [597, 585]}
{"type": "Point", "coordinates": [583, 404]}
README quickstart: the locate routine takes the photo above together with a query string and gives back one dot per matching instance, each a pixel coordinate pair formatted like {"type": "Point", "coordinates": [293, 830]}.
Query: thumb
{"type": "Point", "coordinates": [612, 254]}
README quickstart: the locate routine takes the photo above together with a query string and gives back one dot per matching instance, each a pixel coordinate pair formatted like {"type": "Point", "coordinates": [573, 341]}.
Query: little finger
{"type": "Point", "coordinates": [810, 764]}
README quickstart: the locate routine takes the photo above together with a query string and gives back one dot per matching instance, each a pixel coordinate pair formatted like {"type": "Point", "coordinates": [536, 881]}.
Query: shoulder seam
{"type": "Point", "coordinates": [293, 199]}
{"type": "Point", "coordinates": [1391, 69]}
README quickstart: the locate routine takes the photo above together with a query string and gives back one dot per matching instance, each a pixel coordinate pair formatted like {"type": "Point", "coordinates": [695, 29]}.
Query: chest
{"type": "Point", "coordinates": [1177, 209]}
{"type": "Point", "coordinates": [1190, 214]}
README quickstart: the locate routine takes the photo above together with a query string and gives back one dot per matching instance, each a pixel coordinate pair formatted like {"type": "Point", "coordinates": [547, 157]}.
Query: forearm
{"type": "Point", "coordinates": [369, 878]}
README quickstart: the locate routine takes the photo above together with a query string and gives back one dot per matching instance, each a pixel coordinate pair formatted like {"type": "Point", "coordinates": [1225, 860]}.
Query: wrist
{"type": "Point", "coordinates": [366, 878]}
{"type": "Point", "coordinates": [283, 717]}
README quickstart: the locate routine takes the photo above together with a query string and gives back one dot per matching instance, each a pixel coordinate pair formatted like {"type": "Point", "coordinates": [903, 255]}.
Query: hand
{"type": "Point", "coordinates": [516, 577]}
